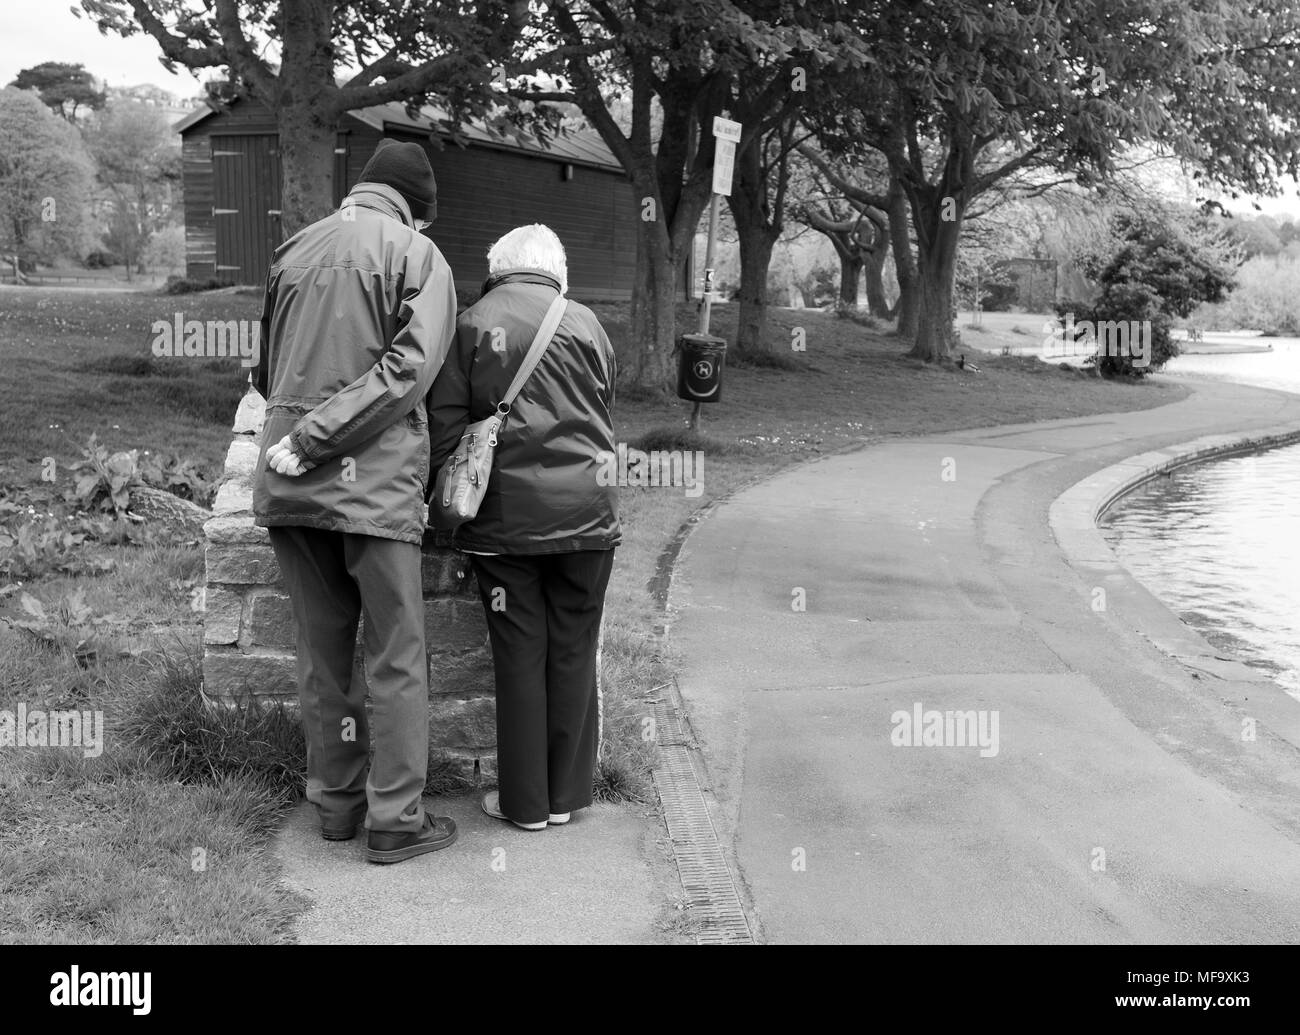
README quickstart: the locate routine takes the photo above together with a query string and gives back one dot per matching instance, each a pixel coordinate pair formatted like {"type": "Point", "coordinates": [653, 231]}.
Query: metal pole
{"type": "Point", "coordinates": [708, 264]}
{"type": "Point", "coordinates": [707, 306]}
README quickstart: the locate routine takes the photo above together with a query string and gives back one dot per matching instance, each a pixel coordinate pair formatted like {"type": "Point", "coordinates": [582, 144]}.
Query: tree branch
{"type": "Point", "coordinates": [176, 48]}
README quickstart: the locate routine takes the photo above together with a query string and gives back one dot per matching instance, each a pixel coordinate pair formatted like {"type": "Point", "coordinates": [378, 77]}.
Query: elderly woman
{"type": "Point", "coordinates": [542, 542]}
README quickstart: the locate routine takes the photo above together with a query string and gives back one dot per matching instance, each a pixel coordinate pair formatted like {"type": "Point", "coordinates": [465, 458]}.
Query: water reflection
{"type": "Point", "coordinates": [1220, 542]}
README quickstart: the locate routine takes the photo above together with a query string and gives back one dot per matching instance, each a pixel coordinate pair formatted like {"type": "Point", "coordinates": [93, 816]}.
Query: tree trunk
{"type": "Point", "coordinates": [937, 269]}
{"type": "Point", "coordinates": [904, 261]}
{"type": "Point", "coordinates": [307, 141]}
{"type": "Point", "coordinates": [757, 229]}
{"type": "Point", "coordinates": [850, 271]}
{"type": "Point", "coordinates": [756, 244]}
{"type": "Point", "coordinates": [646, 359]}
{"type": "Point", "coordinates": [877, 304]}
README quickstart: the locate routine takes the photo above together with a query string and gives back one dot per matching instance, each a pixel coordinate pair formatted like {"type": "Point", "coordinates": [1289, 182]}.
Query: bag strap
{"type": "Point", "coordinates": [544, 335]}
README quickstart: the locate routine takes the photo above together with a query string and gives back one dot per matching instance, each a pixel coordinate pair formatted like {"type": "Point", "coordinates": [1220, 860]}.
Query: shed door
{"type": "Point", "coordinates": [246, 205]}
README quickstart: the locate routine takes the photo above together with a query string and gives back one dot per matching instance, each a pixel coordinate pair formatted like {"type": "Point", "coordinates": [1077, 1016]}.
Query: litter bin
{"type": "Point", "coordinates": [699, 367]}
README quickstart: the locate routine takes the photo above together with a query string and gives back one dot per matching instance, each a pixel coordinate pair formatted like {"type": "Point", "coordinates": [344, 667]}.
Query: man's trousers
{"type": "Point", "coordinates": [332, 578]}
{"type": "Point", "coordinates": [543, 614]}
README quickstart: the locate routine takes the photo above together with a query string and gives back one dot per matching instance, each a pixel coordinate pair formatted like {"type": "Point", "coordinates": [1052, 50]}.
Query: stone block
{"type": "Point", "coordinates": [468, 673]}
{"type": "Point", "coordinates": [251, 414]}
{"type": "Point", "coordinates": [271, 622]}
{"type": "Point", "coordinates": [233, 674]}
{"type": "Point", "coordinates": [453, 625]}
{"type": "Point", "coordinates": [222, 611]}
{"type": "Point", "coordinates": [463, 722]}
{"type": "Point", "coordinates": [447, 573]}
{"type": "Point", "coordinates": [242, 564]}
{"type": "Point", "coordinates": [234, 528]}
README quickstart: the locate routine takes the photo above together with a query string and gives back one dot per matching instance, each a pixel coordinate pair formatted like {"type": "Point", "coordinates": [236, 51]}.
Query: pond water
{"type": "Point", "coordinates": [1219, 542]}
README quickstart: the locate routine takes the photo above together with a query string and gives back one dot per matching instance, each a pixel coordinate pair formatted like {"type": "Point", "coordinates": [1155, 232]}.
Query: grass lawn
{"type": "Point", "coordinates": [163, 837]}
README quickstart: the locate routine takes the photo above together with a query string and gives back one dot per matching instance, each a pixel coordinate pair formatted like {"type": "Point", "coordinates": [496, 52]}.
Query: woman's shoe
{"type": "Point", "coordinates": [558, 819]}
{"type": "Point", "coordinates": [492, 806]}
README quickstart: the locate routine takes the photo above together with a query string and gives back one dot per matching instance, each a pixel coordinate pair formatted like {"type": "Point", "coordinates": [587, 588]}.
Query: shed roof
{"type": "Point", "coordinates": [581, 147]}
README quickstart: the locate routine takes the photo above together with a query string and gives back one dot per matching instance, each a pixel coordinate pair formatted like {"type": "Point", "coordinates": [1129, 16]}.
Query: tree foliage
{"type": "Point", "coordinates": [64, 88]}
{"type": "Point", "coordinates": [46, 181]}
{"type": "Point", "coordinates": [139, 169]}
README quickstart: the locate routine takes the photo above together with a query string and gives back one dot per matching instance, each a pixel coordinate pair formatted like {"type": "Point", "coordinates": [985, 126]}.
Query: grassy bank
{"type": "Point", "coordinates": [108, 848]}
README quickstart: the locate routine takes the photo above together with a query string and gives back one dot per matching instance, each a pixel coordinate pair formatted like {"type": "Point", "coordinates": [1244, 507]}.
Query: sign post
{"type": "Point", "coordinates": [727, 136]}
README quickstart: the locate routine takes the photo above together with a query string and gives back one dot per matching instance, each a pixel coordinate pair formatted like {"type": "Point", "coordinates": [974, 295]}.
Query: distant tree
{"type": "Point", "coordinates": [455, 50]}
{"type": "Point", "coordinates": [62, 87]}
{"type": "Point", "coordinates": [867, 183]}
{"type": "Point", "coordinates": [857, 230]}
{"type": "Point", "coordinates": [165, 251]}
{"type": "Point", "coordinates": [1068, 85]}
{"type": "Point", "coordinates": [1256, 236]}
{"type": "Point", "coordinates": [776, 65]}
{"type": "Point", "coordinates": [46, 181]}
{"type": "Point", "coordinates": [139, 168]}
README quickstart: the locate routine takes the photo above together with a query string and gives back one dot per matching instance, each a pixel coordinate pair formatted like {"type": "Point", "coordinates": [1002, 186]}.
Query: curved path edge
{"type": "Point", "coordinates": [955, 569]}
{"type": "Point", "coordinates": [1074, 517]}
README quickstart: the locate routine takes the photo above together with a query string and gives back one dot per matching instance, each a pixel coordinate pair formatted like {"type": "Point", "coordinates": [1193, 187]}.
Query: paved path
{"type": "Point", "coordinates": [605, 878]}
{"type": "Point", "coordinates": [1122, 805]}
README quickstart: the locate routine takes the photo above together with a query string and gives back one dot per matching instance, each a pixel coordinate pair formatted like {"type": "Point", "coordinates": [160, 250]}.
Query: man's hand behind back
{"type": "Point", "coordinates": [281, 459]}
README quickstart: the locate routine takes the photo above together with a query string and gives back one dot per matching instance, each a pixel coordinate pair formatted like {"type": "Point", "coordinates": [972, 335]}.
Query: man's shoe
{"type": "Point", "coordinates": [390, 846]}
{"type": "Point", "coordinates": [492, 806]}
{"type": "Point", "coordinates": [557, 819]}
{"type": "Point", "coordinates": [340, 829]}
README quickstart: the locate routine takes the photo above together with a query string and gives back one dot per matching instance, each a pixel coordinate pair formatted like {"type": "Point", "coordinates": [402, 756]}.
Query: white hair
{"type": "Point", "coordinates": [530, 247]}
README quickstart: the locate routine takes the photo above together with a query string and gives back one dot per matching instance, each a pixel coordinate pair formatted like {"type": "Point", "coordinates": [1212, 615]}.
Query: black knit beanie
{"type": "Point", "coordinates": [404, 166]}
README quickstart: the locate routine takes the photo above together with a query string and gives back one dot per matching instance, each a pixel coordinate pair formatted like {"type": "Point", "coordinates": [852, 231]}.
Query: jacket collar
{"type": "Point", "coordinates": [379, 197]}
{"type": "Point", "coordinates": [522, 275]}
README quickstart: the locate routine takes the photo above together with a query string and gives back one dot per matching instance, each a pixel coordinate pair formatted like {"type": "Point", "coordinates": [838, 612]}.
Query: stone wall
{"type": "Point", "coordinates": [249, 632]}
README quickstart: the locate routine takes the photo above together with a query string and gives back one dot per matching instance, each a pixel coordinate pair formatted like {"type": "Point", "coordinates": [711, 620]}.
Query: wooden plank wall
{"type": "Point", "coordinates": [482, 193]}
{"type": "Point", "coordinates": [196, 191]}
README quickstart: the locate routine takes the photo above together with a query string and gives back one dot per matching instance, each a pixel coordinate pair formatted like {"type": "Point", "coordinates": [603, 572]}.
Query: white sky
{"type": "Point", "coordinates": [46, 30]}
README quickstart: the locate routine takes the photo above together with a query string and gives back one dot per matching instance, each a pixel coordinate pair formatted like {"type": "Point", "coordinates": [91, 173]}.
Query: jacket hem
{"type": "Point", "coordinates": [334, 524]}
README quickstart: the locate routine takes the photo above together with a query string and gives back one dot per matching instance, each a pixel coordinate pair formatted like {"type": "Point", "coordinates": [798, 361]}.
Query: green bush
{"type": "Point", "coordinates": [1162, 266]}
{"type": "Point", "coordinates": [187, 286]}
{"type": "Point", "coordinates": [102, 259]}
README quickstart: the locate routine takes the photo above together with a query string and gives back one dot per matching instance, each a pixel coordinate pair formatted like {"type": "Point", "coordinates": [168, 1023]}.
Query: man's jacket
{"type": "Point", "coordinates": [544, 495]}
{"type": "Point", "coordinates": [359, 315]}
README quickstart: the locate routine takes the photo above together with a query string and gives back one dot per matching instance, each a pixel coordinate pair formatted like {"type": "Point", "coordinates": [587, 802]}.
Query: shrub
{"type": "Point", "coordinates": [187, 286]}
{"type": "Point", "coordinates": [1161, 267]}
{"type": "Point", "coordinates": [102, 259]}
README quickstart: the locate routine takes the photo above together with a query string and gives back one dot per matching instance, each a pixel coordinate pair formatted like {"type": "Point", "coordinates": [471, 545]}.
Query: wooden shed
{"type": "Point", "coordinates": [485, 187]}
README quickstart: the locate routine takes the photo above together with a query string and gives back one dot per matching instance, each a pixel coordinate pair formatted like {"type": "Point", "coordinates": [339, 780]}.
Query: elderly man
{"type": "Point", "coordinates": [359, 314]}
{"type": "Point", "coordinates": [544, 537]}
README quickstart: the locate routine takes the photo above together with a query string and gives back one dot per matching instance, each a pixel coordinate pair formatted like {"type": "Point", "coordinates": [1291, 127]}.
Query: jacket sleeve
{"type": "Point", "coordinates": [611, 364]}
{"type": "Point", "coordinates": [449, 401]}
{"type": "Point", "coordinates": [394, 386]}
